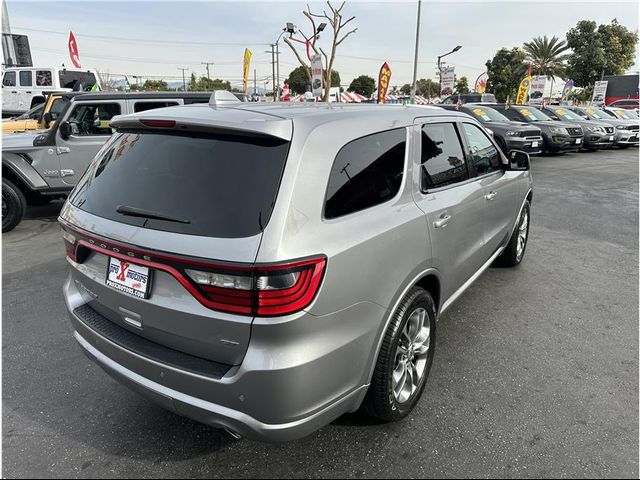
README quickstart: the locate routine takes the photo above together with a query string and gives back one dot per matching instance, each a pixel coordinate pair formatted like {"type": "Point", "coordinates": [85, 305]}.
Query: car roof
{"type": "Point", "coordinates": [139, 95]}
{"type": "Point", "coordinates": [276, 119]}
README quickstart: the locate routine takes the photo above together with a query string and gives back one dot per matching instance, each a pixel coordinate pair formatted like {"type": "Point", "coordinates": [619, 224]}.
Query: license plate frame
{"type": "Point", "coordinates": [578, 141]}
{"type": "Point", "coordinates": [131, 287]}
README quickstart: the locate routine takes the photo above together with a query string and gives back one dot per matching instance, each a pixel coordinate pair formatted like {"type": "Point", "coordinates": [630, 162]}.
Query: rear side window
{"type": "Point", "coordinates": [442, 157]}
{"type": "Point", "coordinates": [9, 79]}
{"type": "Point", "coordinates": [26, 78]}
{"type": "Point", "coordinates": [44, 78]}
{"type": "Point", "coordinates": [93, 118]}
{"type": "Point", "coordinates": [144, 106]}
{"type": "Point", "coordinates": [213, 185]}
{"type": "Point", "coordinates": [366, 172]}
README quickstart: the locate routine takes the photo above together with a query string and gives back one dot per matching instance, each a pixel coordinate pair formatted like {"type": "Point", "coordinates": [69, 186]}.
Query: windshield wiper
{"type": "Point", "coordinates": [140, 212]}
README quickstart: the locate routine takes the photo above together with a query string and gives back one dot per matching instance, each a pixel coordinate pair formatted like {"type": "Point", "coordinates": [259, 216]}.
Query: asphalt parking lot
{"type": "Point", "coordinates": [535, 373]}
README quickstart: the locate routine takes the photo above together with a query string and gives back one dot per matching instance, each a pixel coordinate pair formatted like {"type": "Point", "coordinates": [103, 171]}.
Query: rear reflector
{"type": "Point", "coordinates": [159, 123]}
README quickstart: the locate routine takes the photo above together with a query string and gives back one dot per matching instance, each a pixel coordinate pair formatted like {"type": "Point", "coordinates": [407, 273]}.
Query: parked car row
{"type": "Point", "coordinates": [553, 128]}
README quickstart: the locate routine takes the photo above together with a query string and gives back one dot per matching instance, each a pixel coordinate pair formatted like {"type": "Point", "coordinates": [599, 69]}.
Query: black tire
{"type": "Point", "coordinates": [13, 206]}
{"type": "Point", "coordinates": [510, 257]}
{"type": "Point", "coordinates": [380, 401]}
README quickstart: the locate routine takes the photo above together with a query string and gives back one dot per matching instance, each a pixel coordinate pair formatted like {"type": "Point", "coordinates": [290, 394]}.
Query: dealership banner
{"type": "Point", "coordinates": [245, 70]}
{"type": "Point", "coordinates": [447, 81]}
{"type": "Point", "coordinates": [599, 93]}
{"type": "Point", "coordinates": [481, 83]}
{"type": "Point", "coordinates": [566, 92]}
{"type": "Point", "coordinates": [536, 92]}
{"type": "Point", "coordinates": [523, 90]}
{"type": "Point", "coordinates": [73, 50]}
{"type": "Point", "coordinates": [384, 77]}
{"type": "Point", "coordinates": [316, 75]}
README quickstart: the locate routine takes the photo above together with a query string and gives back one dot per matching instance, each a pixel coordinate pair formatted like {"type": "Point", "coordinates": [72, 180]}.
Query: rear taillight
{"type": "Point", "coordinates": [261, 290]}
{"type": "Point", "coordinates": [70, 245]}
{"type": "Point", "coordinates": [159, 123]}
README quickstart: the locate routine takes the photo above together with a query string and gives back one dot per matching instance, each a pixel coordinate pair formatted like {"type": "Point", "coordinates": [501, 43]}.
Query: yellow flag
{"type": "Point", "coordinates": [523, 90]}
{"type": "Point", "coordinates": [245, 69]}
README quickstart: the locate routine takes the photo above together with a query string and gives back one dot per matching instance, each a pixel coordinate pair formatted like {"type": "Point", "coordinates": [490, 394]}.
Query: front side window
{"type": "Point", "coordinates": [57, 106]}
{"type": "Point", "coordinates": [366, 172]}
{"type": "Point", "coordinates": [442, 159]}
{"type": "Point", "coordinates": [93, 119]}
{"type": "Point", "coordinates": [9, 79]}
{"type": "Point", "coordinates": [485, 157]}
{"type": "Point", "coordinates": [144, 106]}
{"type": "Point", "coordinates": [44, 78]}
{"type": "Point", "coordinates": [26, 79]}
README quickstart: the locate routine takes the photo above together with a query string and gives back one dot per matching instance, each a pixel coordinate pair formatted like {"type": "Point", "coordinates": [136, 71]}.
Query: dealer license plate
{"type": "Point", "coordinates": [534, 144]}
{"type": "Point", "coordinates": [578, 141]}
{"type": "Point", "coordinates": [128, 277]}
{"type": "Point", "coordinates": [611, 139]}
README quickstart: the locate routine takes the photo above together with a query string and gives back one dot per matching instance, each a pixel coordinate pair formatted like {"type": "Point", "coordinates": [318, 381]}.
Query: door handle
{"type": "Point", "coordinates": [61, 150]}
{"type": "Point", "coordinates": [442, 221]}
{"type": "Point", "coordinates": [491, 195]}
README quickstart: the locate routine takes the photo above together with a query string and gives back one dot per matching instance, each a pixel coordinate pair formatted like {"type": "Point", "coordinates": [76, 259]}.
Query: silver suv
{"type": "Point", "coordinates": [269, 267]}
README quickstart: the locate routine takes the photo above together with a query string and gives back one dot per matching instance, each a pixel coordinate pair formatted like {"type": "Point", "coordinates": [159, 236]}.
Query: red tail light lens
{"type": "Point", "coordinates": [159, 123]}
{"type": "Point", "coordinates": [70, 245]}
{"type": "Point", "coordinates": [262, 290]}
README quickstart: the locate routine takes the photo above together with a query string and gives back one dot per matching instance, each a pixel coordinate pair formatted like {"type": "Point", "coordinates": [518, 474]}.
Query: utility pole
{"type": "Point", "coordinates": [277, 71]}
{"type": "Point", "coordinates": [255, 85]}
{"type": "Point", "coordinates": [415, 59]}
{"type": "Point", "coordinates": [207, 64]}
{"type": "Point", "coordinates": [7, 40]}
{"type": "Point", "coordinates": [273, 70]}
{"type": "Point", "coordinates": [184, 83]}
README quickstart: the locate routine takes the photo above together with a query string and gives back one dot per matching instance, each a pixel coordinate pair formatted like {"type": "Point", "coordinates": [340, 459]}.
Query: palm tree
{"type": "Point", "coordinates": [547, 56]}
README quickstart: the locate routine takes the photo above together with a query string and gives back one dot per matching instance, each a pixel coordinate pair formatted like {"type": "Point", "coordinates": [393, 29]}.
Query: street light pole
{"type": "Point", "coordinates": [440, 57]}
{"type": "Point", "coordinates": [184, 83]}
{"type": "Point", "coordinates": [415, 58]}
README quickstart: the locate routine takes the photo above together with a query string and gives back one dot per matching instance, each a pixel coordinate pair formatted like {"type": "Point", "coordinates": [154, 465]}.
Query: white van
{"type": "Point", "coordinates": [23, 87]}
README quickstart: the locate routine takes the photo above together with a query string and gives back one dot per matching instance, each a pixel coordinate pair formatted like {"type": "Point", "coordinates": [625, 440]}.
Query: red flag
{"type": "Point", "coordinates": [383, 82]}
{"type": "Point", "coordinates": [73, 50]}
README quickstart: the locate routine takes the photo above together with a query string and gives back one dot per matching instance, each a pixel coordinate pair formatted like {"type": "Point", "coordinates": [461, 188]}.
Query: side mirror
{"type": "Point", "coordinates": [65, 130]}
{"type": "Point", "coordinates": [46, 118]}
{"type": "Point", "coordinates": [519, 160]}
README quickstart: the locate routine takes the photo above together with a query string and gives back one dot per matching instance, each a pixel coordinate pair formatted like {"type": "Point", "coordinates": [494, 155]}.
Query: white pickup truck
{"type": "Point", "coordinates": [23, 87]}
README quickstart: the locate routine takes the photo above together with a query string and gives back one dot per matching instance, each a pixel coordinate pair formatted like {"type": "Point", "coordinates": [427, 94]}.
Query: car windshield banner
{"type": "Point", "coordinates": [523, 90]}
{"type": "Point", "coordinates": [245, 69]}
{"type": "Point", "coordinates": [73, 50]}
{"type": "Point", "coordinates": [599, 93]}
{"type": "Point", "coordinates": [316, 75]}
{"type": "Point", "coordinates": [384, 77]}
{"type": "Point", "coordinates": [566, 92]}
{"type": "Point", "coordinates": [536, 92]}
{"type": "Point", "coordinates": [448, 81]}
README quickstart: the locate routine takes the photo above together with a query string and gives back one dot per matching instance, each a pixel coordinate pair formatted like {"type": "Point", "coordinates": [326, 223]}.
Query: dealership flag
{"type": "Point", "coordinates": [566, 92]}
{"type": "Point", "coordinates": [384, 77]}
{"type": "Point", "coordinates": [481, 83]}
{"type": "Point", "coordinates": [73, 50]}
{"type": "Point", "coordinates": [245, 69]}
{"type": "Point", "coordinates": [523, 90]}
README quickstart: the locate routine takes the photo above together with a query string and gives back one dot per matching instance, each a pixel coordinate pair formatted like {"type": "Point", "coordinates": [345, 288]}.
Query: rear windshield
{"type": "Point", "coordinates": [212, 185]}
{"type": "Point", "coordinates": [80, 81]}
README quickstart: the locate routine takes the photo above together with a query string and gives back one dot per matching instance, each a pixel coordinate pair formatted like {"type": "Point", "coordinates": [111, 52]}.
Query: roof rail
{"type": "Point", "coordinates": [223, 98]}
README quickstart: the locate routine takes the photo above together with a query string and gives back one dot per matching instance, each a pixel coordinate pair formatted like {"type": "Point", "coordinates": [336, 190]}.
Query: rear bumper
{"type": "Point", "coordinates": [291, 382]}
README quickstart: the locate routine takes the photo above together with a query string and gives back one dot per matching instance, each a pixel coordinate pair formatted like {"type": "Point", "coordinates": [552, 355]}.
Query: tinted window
{"type": "Point", "coordinates": [80, 81]}
{"type": "Point", "coordinates": [224, 186]}
{"type": "Point", "coordinates": [442, 158]}
{"type": "Point", "coordinates": [9, 79]}
{"type": "Point", "coordinates": [143, 106]}
{"type": "Point", "coordinates": [486, 114]}
{"type": "Point", "coordinates": [44, 78]}
{"type": "Point", "coordinates": [451, 100]}
{"type": "Point", "coordinates": [485, 156]}
{"type": "Point", "coordinates": [57, 106]}
{"type": "Point", "coordinates": [531, 114]}
{"type": "Point", "coordinates": [93, 118]}
{"type": "Point", "coordinates": [366, 172]}
{"type": "Point", "coordinates": [26, 78]}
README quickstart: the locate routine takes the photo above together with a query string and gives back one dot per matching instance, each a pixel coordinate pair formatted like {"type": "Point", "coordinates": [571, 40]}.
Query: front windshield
{"type": "Point", "coordinates": [565, 114]}
{"type": "Point", "coordinates": [56, 107]}
{"type": "Point", "coordinates": [486, 114]}
{"type": "Point", "coordinates": [32, 114]}
{"type": "Point", "coordinates": [622, 113]}
{"type": "Point", "coordinates": [594, 113]}
{"type": "Point", "coordinates": [533, 114]}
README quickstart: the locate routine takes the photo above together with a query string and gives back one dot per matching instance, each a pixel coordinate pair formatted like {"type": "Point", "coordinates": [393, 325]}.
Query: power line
{"type": "Point", "coordinates": [142, 40]}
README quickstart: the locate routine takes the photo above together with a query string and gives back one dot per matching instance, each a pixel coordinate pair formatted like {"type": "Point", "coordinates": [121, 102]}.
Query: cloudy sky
{"type": "Point", "coordinates": [155, 38]}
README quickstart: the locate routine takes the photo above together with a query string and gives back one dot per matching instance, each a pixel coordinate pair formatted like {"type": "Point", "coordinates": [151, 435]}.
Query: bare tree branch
{"type": "Point", "coordinates": [307, 69]}
{"type": "Point", "coordinates": [346, 35]}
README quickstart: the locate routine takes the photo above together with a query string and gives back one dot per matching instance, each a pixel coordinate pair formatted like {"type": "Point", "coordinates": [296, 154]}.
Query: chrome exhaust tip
{"type": "Point", "coordinates": [234, 434]}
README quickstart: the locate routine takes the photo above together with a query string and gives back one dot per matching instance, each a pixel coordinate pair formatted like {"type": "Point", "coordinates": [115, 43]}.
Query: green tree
{"type": "Point", "coordinates": [204, 84]}
{"type": "Point", "coordinates": [193, 81]}
{"type": "Point", "coordinates": [607, 48]}
{"type": "Point", "coordinates": [157, 85]}
{"type": "Point", "coordinates": [462, 85]}
{"type": "Point", "coordinates": [364, 85]}
{"type": "Point", "coordinates": [426, 87]}
{"type": "Point", "coordinates": [335, 77]}
{"type": "Point", "coordinates": [547, 56]}
{"type": "Point", "coordinates": [405, 89]}
{"type": "Point", "coordinates": [505, 71]}
{"type": "Point", "coordinates": [298, 80]}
